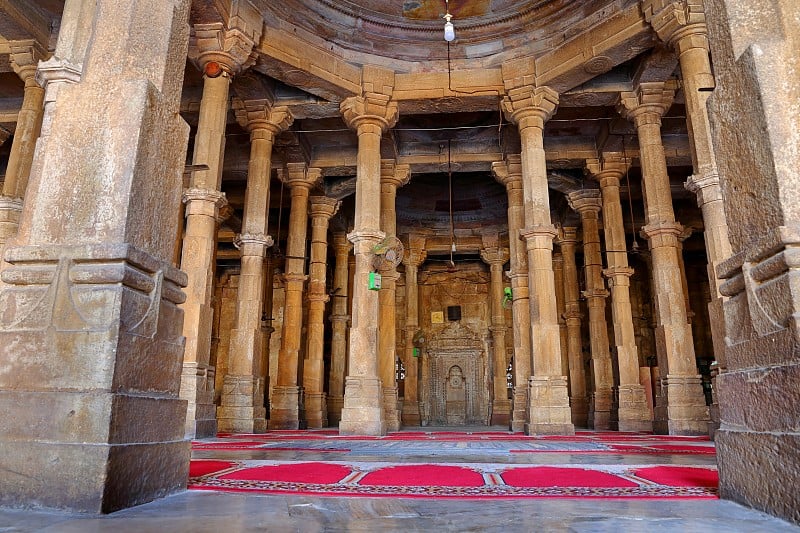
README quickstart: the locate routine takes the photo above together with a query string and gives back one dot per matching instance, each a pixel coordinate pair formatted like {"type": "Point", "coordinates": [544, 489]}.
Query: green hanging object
{"type": "Point", "coordinates": [415, 352]}
{"type": "Point", "coordinates": [374, 281]}
{"type": "Point", "coordinates": [507, 297]}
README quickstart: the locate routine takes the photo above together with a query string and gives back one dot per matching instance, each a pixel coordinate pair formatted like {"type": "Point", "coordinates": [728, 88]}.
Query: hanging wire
{"type": "Point", "coordinates": [635, 243]}
{"type": "Point", "coordinates": [450, 193]}
{"type": "Point", "coordinates": [277, 250]}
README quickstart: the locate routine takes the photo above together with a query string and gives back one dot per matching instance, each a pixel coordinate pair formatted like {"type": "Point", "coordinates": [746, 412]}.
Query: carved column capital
{"type": "Point", "coordinates": [509, 172]}
{"type": "Point", "coordinates": [663, 233]}
{"type": "Point", "coordinates": [618, 276]}
{"type": "Point", "coordinates": [252, 244]}
{"type": "Point", "coordinates": [608, 169]}
{"type": "Point", "coordinates": [414, 257]}
{"type": "Point", "coordinates": [365, 240]}
{"type": "Point", "coordinates": [587, 202]}
{"type": "Point", "coordinates": [530, 106]}
{"type": "Point", "coordinates": [394, 174]}
{"type": "Point", "coordinates": [373, 109]}
{"type": "Point", "coordinates": [539, 237]}
{"type": "Point", "coordinates": [322, 207]}
{"type": "Point", "coordinates": [706, 187]}
{"type": "Point", "coordinates": [496, 257]}
{"type": "Point", "coordinates": [260, 117]}
{"type": "Point", "coordinates": [24, 58]}
{"type": "Point", "coordinates": [229, 40]}
{"type": "Point", "coordinates": [298, 176]}
{"type": "Point", "coordinates": [679, 23]}
{"type": "Point", "coordinates": [56, 70]}
{"type": "Point", "coordinates": [568, 236]}
{"type": "Point", "coordinates": [341, 244]}
{"type": "Point", "coordinates": [648, 102]}
{"type": "Point", "coordinates": [206, 202]}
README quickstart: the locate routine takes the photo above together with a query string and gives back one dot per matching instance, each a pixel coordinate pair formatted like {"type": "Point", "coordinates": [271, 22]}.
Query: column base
{"type": "Point", "coordinates": [633, 411]}
{"type": "Point", "coordinates": [579, 411]}
{"type": "Point", "coordinates": [391, 414]}
{"type": "Point", "coordinates": [362, 413]}
{"type": "Point", "coordinates": [335, 404]}
{"type": "Point", "coordinates": [241, 411]}
{"type": "Point", "coordinates": [316, 409]}
{"type": "Point", "coordinates": [600, 410]}
{"type": "Point", "coordinates": [501, 413]}
{"type": "Point", "coordinates": [410, 415]}
{"type": "Point", "coordinates": [285, 407]}
{"type": "Point", "coordinates": [519, 409]}
{"type": "Point", "coordinates": [197, 388]}
{"type": "Point", "coordinates": [687, 412]}
{"type": "Point", "coordinates": [549, 407]}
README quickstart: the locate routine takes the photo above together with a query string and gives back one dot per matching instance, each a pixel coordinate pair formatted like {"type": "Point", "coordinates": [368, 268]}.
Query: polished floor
{"type": "Point", "coordinates": [209, 511]}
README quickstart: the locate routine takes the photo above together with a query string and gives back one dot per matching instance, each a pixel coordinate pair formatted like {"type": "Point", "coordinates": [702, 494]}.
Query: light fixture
{"type": "Point", "coordinates": [449, 29]}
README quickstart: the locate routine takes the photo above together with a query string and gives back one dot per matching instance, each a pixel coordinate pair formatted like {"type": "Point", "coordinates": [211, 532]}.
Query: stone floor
{"type": "Point", "coordinates": [206, 511]}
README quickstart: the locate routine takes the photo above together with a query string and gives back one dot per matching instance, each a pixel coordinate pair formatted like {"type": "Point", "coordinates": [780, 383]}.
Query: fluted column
{"type": "Point", "coordinates": [339, 320]}
{"type": "Point", "coordinates": [321, 211]}
{"type": "Point", "coordinates": [286, 395]}
{"type": "Point", "coordinates": [633, 413]}
{"type": "Point", "coordinates": [588, 204]}
{"type": "Point", "coordinates": [362, 413]}
{"type": "Point", "coordinates": [29, 122]}
{"type": "Point", "coordinates": [578, 401]}
{"type": "Point", "coordinates": [509, 173]}
{"type": "Point", "coordinates": [530, 108]}
{"type": "Point", "coordinates": [682, 408]}
{"type": "Point", "coordinates": [501, 407]}
{"type": "Point", "coordinates": [242, 405]}
{"type": "Point", "coordinates": [392, 177]}
{"type": "Point", "coordinates": [415, 255]}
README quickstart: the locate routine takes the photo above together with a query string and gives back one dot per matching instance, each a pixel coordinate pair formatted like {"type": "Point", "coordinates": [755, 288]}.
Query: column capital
{"type": "Point", "coordinates": [204, 201]}
{"type": "Point", "coordinates": [679, 23]}
{"type": "Point", "coordinates": [666, 231]}
{"type": "Point", "coordinates": [706, 187]}
{"type": "Point", "coordinates": [648, 102]}
{"type": "Point", "coordinates": [568, 235]}
{"type": "Point", "coordinates": [530, 106]}
{"type": "Point", "coordinates": [618, 275]}
{"type": "Point", "coordinates": [300, 176]}
{"type": "Point", "coordinates": [394, 174]}
{"type": "Point", "coordinates": [414, 257]}
{"type": "Point", "coordinates": [322, 207]}
{"type": "Point", "coordinates": [365, 240]}
{"type": "Point", "coordinates": [539, 237]}
{"type": "Point", "coordinates": [608, 169]}
{"type": "Point", "coordinates": [8, 203]}
{"type": "Point", "coordinates": [372, 109]}
{"type": "Point", "coordinates": [591, 294]}
{"type": "Point", "coordinates": [341, 244]}
{"type": "Point", "coordinates": [259, 115]}
{"type": "Point", "coordinates": [585, 201]}
{"type": "Point", "coordinates": [495, 256]}
{"type": "Point", "coordinates": [229, 42]}
{"type": "Point", "coordinates": [508, 172]}
{"type": "Point", "coordinates": [24, 59]}
{"type": "Point", "coordinates": [252, 244]}
{"type": "Point", "coordinates": [56, 70]}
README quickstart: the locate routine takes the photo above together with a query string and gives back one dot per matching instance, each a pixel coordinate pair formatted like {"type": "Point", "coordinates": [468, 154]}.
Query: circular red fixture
{"type": "Point", "coordinates": [212, 69]}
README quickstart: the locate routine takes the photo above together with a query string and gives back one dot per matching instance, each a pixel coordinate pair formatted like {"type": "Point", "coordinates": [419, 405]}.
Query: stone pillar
{"type": "Point", "coordinates": [316, 407]}
{"type": "Point", "coordinates": [509, 173]}
{"type": "Point", "coordinates": [558, 277]}
{"type": "Point", "coordinates": [529, 108]}
{"type": "Point", "coordinates": [501, 407]}
{"type": "Point", "coordinates": [286, 395]}
{"type": "Point", "coordinates": [88, 370]}
{"type": "Point", "coordinates": [682, 408]}
{"type": "Point", "coordinates": [415, 255]}
{"type": "Point", "coordinates": [339, 321]}
{"type": "Point", "coordinates": [370, 115]}
{"type": "Point", "coordinates": [588, 204]}
{"type": "Point", "coordinates": [632, 409]}
{"type": "Point", "coordinates": [23, 60]}
{"type": "Point", "coordinates": [242, 404]}
{"type": "Point", "coordinates": [578, 401]}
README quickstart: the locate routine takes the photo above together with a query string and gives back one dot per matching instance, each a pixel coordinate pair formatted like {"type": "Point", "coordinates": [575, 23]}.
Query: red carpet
{"type": "Point", "coordinates": [549, 476]}
{"type": "Point", "coordinates": [421, 475]}
{"type": "Point", "coordinates": [680, 476]}
{"type": "Point", "coordinates": [293, 473]}
{"type": "Point", "coordinates": [203, 468]}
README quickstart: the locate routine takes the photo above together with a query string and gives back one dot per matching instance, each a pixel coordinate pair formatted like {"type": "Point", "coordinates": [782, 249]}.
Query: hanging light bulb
{"type": "Point", "coordinates": [449, 29]}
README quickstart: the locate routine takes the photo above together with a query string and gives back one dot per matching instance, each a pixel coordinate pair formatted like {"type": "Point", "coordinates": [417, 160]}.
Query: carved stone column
{"type": "Point", "coordinates": [392, 177]}
{"type": "Point", "coordinates": [242, 405]}
{"type": "Point", "coordinates": [286, 395]}
{"type": "Point", "coordinates": [681, 409]}
{"type": "Point", "coordinates": [23, 60]}
{"type": "Point", "coordinates": [509, 173]}
{"type": "Point", "coordinates": [558, 277]}
{"type": "Point", "coordinates": [588, 204]}
{"type": "Point", "coordinates": [339, 321]}
{"type": "Point", "coordinates": [578, 401]}
{"type": "Point", "coordinates": [529, 108]}
{"type": "Point", "coordinates": [633, 413]}
{"type": "Point", "coordinates": [414, 256]}
{"type": "Point", "coordinates": [92, 372]}
{"type": "Point", "coordinates": [362, 414]}
{"type": "Point", "coordinates": [322, 209]}
{"type": "Point", "coordinates": [501, 407]}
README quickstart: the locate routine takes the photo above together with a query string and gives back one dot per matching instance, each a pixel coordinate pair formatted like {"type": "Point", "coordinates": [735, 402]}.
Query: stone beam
{"type": "Point", "coordinates": [24, 20]}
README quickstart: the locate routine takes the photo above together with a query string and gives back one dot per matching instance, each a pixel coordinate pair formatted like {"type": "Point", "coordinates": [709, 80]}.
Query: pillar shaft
{"type": "Point", "coordinates": [496, 258]}
{"type": "Point", "coordinates": [203, 202]}
{"type": "Point", "coordinates": [322, 209]}
{"type": "Point", "coordinates": [414, 257]}
{"type": "Point", "coordinates": [89, 372]}
{"type": "Point", "coordinates": [682, 408]}
{"type": "Point", "coordinates": [339, 320]}
{"type": "Point", "coordinates": [633, 413]}
{"type": "Point", "coordinates": [579, 402]}
{"type": "Point", "coordinates": [286, 395]}
{"type": "Point", "coordinates": [362, 413]}
{"type": "Point", "coordinates": [529, 108]}
{"type": "Point", "coordinates": [509, 173]}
